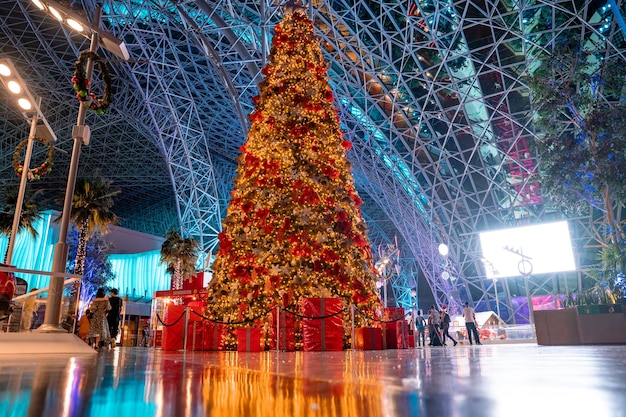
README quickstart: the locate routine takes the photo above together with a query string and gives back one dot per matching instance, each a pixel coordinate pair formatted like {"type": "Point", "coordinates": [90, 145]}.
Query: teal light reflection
{"type": "Point", "coordinates": [139, 274]}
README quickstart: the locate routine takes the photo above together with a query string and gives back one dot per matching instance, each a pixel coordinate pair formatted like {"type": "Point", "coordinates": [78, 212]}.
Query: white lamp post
{"type": "Point", "coordinates": [81, 134]}
{"type": "Point", "coordinates": [494, 278]}
{"type": "Point", "coordinates": [31, 111]}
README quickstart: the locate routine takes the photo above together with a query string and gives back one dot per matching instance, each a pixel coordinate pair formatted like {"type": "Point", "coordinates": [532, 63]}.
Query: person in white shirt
{"type": "Point", "coordinates": [470, 323]}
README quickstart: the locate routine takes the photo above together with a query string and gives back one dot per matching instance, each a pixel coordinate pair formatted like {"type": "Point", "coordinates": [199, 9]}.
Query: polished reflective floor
{"type": "Point", "coordinates": [489, 380]}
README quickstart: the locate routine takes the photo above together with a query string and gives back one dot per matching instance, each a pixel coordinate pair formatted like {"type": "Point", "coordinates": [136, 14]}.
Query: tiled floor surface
{"type": "Point", "coordinates": [490, 380]}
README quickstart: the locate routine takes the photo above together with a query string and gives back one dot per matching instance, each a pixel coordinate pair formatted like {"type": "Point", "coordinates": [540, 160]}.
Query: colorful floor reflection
{"type": "Point", "coordinates": [490, 380]}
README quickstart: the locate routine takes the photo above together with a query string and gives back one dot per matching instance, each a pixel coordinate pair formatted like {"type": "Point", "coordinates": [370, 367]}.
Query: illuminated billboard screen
{"type": "Point", "coordinates": [537, 249]}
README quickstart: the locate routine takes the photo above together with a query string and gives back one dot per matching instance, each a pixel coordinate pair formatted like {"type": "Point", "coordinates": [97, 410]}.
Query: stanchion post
{"type": "Point", "coordinates": [352, 317]}
{"type": "Point", "coordinates": [193, 338]}
{"type": "Point", "coordinates": [185, 328]}
{"type": "Point", "coordinates": [78, 284]}
{"type": "Point", "coordinates": [413, 328]}
{"type": "Point", "coordinates": [277, 328]}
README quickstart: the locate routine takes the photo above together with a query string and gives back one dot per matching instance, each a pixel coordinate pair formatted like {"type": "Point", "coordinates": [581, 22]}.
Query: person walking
{"type": "Point", "coordinates": [470, 323]}
{"type": "Point", "coordinates": [445, 325]}
{"type": "Point", "coordinates": [433, 327]}
{"type": "Point", "coordinates": [145, 335]}
{"type": "Point", "coordinates": [420, 325]}
{"type": "Point", "coordinates": [99, 327]}
{"type": "Point", "coordinates": [114, 315]}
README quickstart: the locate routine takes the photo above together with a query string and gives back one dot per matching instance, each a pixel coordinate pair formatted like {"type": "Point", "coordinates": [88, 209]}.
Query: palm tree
{"type": "Point", "coordinates": [181, 255]}
{"type": "Point", "coordinates": [91, 211]}
{"type": "Point", "coordinates": [30, 213]}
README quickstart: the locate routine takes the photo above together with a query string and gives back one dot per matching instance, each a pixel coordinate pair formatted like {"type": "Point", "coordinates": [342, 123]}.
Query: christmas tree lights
{"type": "Point", "coordinates": [294, 227]}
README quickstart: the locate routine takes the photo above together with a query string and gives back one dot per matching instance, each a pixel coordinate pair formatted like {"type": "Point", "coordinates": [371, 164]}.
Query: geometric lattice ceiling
{"type": "Point", "coordinates": [432, 94]}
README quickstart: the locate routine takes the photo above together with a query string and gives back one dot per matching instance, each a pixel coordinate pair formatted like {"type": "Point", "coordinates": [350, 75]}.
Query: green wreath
{"type": "Point", "coordinates": [82, 84]}
{"type": "Point", "coordinates": [42, 169]}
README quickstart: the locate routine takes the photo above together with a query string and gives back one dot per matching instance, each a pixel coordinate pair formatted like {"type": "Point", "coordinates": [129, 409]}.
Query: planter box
{"type": "Point", "coordinates": [557, 327]}
{"type": "Point", "coordinates": [569, 327]}
{"type": "Point", "coordinates": [597, 329]}
{"type": "Point", "coordinates": [600, 309]}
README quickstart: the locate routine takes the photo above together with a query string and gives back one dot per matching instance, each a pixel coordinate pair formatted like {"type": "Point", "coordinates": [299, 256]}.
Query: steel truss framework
{"type": "Point", "coordinates": [432, 94]}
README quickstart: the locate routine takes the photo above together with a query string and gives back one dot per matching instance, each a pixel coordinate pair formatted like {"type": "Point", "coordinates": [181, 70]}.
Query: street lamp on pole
{"type": "Point", "coordinates": [525, 268]}
{"type": "Point", "coordinates": [81, 134]}
{"type": "Point", "coordinates": [494, 278]}
{"type": "Point", "coordinates": [31, 110]}
{"type": "Point", "coordinates": [77, 23]}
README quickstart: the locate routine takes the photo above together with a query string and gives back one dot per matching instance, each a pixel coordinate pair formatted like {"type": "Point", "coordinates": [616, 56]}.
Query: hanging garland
{"type": "Point", "coordinates": [82, 84]}
{"type": "Point", "coordinates": [42, 169]}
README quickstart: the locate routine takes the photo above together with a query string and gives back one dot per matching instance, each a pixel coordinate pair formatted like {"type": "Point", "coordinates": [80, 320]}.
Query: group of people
{"type": "Point", "coordinates": [438, 323]}
{"type": "Point", "coordinates": [99, 325]}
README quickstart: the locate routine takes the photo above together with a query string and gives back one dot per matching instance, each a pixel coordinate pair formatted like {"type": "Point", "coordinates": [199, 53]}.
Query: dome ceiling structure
{"type": "Point", "coordinates": [431, 93]}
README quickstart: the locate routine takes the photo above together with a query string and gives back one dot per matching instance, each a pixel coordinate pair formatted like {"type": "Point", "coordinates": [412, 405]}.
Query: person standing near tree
{"type": "Point", "coordinates": [99, 328]}
{"type": "Point", "coordinates": [420, 325]}
{"type": "Point", "coordinates": [113, 316]}
{"type": "Point", "coordinates": [445, 325]}
{"type": "Point", "coordinates": [83, 325]}
{"type": "Point", "coordinates": [470, 323]}
{"type": "Point", "coordinates": [434, 319]}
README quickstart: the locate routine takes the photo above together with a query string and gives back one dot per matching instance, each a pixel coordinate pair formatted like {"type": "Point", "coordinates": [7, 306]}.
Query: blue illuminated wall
{"type": "Point", "coordinates": [136, 275]}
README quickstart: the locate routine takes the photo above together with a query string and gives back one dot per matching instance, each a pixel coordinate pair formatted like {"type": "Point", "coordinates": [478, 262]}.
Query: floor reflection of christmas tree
{"type": "Point", "coordinates": [294, 227]}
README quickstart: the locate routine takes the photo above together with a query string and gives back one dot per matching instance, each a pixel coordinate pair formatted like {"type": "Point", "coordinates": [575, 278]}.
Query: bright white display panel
{"type": "Point", "coordinates": [545, 247]}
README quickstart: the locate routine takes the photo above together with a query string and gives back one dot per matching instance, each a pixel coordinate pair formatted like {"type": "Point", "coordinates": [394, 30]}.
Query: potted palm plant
{"type": "Point", "coordinates": [582, 167]}
{"type": "Point", "coordinates": [181, 256]}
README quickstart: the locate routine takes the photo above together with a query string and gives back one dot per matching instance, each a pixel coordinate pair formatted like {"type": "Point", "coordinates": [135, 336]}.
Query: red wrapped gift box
{"type": "Point", "coordinates": [393, 313]}
{"type": "Point", "coordinates": [212, 336]}
{"type": "Point", "coordinates": [286, 340]}
{"type": "Point", "coordinates": [194, 338]}
{"type": "Point", "coordinates": [322, 334]}
{"type": "Point", "coordinates": [194, 282]}
{"type": "Point", "coordinates": [368, 338]}
{"type": "Point", "coordinates": [287, 334]}
{"type": "Point", "coordinates": [248, 339]}
{"type": "Point", "coordinates": [173, 331]}
{"type": "Point", "coordinates": [173, 335]}
{"type": "Point", "coordinates": [396, 335]}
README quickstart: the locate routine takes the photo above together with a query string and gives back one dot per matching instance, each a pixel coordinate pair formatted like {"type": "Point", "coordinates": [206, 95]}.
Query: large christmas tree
{"type": "Point", "coordinates": [294, 227]}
